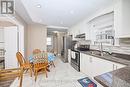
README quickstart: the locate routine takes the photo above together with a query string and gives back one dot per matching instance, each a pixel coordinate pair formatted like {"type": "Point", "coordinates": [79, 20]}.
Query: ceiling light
{"type": "Point", "coordinates": [39, 6]}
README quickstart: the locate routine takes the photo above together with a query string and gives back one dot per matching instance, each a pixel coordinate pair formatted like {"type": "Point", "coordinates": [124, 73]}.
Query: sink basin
{"type": "Point", "coordinates": [96, 53]}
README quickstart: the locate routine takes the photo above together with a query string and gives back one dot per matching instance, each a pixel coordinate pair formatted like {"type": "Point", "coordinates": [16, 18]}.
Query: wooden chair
{"type": "Point", "coordinates": [51, 63]}
{"type": "Point", "coordinates": [8, 75]}
{"type": "Point", "coordinates": [25, 65]}
{"type": "Point", "coordinates": [40, 63]}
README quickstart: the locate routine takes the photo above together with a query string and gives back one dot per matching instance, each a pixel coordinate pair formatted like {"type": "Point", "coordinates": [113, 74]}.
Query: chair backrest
{"type": "Point", "coordinates": [41, 57]}
{"type": "Point", "coordinates": [20, 58]}
{"type": "Point", "coordinates": [36, 51]}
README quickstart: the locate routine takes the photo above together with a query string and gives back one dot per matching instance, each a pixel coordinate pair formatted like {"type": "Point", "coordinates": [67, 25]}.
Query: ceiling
{"type": "Point", "coordinates": [61, 13]}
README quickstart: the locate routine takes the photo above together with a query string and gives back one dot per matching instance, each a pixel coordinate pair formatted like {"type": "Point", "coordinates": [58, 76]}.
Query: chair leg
{"type": "Point", "coordinates": [21, 78]}
{"type": "Point", "coordinates": [46, 73]}
{"type": "Point", "coordinates": [53, 64]}
{"type": "Point", "coordinates": [30, 71]}
{"type": "Point", "coordinates": [36, 72]}
{"type": "Point", "coordinates": [26, 70]}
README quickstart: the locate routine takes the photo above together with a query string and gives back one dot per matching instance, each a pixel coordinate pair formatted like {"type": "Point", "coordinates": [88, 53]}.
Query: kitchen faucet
{"type": "Point", "coordinates": [100, 47]}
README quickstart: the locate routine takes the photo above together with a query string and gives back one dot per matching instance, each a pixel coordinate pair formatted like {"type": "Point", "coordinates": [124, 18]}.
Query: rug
{"type": "Point", "coordinates": [86, 82]}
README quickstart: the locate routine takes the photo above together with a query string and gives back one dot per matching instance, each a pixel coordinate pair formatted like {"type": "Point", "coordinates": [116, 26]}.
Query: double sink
{"type": "Point", "coordinates": [106, 54]}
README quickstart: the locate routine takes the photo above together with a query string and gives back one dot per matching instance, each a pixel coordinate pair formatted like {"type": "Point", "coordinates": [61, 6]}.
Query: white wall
{"type": "Point", "coordinates": [20, 22]}
{"type": "Point", "coordinates": [23, 25]}
{"type": "Point", "coordinates": [36, 38]}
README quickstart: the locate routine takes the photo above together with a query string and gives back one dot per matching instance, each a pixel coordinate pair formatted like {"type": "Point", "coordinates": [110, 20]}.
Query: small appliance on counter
{"type": "Point", "coordinates": [84, 47]}
{"type": "Point", "coordinates": [74, 44]}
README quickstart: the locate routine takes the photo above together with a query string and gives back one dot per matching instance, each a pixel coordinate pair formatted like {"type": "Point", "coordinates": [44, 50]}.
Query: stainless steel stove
{"type": "Point", "coordinates": [75, 59]}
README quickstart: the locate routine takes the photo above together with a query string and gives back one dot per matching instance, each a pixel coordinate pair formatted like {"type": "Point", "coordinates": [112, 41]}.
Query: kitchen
{"type": "Point", "coordinates": [106, 36]}
{"type": "Point", "coordinates": [89, 39]}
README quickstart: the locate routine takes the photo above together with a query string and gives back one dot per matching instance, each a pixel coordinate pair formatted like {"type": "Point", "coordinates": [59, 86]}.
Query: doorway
{"type": "Point", "coordinates": [11, 41]}
{"type": "Point", "coordinates": [56, 35]}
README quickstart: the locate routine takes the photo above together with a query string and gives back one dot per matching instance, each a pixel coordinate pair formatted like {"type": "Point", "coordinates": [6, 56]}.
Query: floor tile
{"type": "Point", "coordinates": [63, 75]}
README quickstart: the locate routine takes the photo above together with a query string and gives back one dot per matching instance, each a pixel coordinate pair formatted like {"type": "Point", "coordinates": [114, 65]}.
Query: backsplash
{"type": "Point", "coordinates": [115, 49]}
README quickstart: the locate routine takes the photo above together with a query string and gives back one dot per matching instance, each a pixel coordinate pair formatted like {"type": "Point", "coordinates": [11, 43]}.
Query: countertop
{"type": "Point", "coordinates": [117, 78]}
{"type": "Point", "coordinates": [108, 57]}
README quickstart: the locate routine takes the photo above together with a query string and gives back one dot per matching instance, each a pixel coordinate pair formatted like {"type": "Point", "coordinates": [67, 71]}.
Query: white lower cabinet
{"type": "Point", "coordinates": [82, 63]}
{"type": "Point", "coordinates": [101, 66]}
{"type": "Point", "coordinates": [94, 66]}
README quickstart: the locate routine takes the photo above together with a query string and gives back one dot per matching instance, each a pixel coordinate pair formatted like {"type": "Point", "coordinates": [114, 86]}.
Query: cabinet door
{"type": "Point", "coordinates": [82, 62]}
{"type": "Point", "coordinates": [89, 65]}
{"type": "Point", "coordinates": [101, 66]}
{"type": "Point", "coordinates": [117, 18]}
{"type": "Point", "coordinates": [122, 18]}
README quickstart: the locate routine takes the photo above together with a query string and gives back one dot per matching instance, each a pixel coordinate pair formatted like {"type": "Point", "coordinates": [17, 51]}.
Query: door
{"type": "Point", "coordinates": [11, 46]}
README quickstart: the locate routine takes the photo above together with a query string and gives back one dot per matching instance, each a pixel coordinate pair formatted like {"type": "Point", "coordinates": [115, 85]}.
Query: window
{"type": "Point", "coordinates": [49, 41]}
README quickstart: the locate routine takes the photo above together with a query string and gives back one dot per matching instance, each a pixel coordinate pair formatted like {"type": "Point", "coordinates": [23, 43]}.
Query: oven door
{"type": "Point", "coordinates": [77, 57]}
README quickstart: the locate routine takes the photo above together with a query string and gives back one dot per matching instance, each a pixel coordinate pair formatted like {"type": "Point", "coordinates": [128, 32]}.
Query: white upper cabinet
{"type": "Point", "coordinates": [116, 18]}
{"type": "Point", "coordinates": [122, 18]}
{"type": "Point", "coordinates": [101, 28]}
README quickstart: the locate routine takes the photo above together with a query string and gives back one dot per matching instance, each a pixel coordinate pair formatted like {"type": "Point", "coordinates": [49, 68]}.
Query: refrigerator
{"type": "Point", "coordinates": [67, 44]}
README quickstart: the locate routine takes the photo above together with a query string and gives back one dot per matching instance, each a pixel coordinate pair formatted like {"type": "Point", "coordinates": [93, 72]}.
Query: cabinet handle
{"type": "Point", "coordinates": [91, 60]}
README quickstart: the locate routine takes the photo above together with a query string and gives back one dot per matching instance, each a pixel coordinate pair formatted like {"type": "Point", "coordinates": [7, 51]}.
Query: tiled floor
{"type": "Point", "coordinates": [63, 75]}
